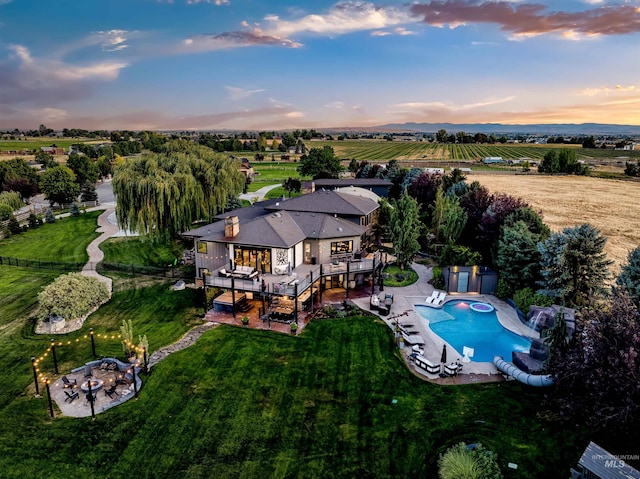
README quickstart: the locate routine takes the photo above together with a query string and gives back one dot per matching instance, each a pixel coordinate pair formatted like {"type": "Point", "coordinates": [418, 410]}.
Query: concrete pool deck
{"type": "Point", "coordinates": [403, 311]}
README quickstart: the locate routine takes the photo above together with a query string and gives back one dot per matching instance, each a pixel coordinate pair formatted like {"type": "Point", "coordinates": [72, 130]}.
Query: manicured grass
{"type": "Point", "coordinates": [409, 276]}
{"type": "Point", "coordinates": [136, 251]}
{"type": "Point", "coordinates": [65, 240]}
{"type": "Point", "coordinates": [36, 143]}
{"type": "Point", "coordinates": [274, 172]}
{"type": "Point", "coordinates": [334, 402]}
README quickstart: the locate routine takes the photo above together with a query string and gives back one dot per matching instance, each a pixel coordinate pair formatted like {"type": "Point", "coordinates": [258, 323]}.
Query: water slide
{"type": "Point", "coordinates": [520, 375]}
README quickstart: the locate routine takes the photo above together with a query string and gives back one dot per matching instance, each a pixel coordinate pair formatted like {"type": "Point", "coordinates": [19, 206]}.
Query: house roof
{"type": "Point", "coordinates": [323, 226]}
{"type": "Point", "coordinates": [250, 212]}
{"type": "Point", "coordinates": [277, 230]}
{"type": "Point", "coordinates": [599, 462]}
{"type": "Point", "coordinates": [330, 202]}
{"type": "Point", "coordinates": [339, 183]}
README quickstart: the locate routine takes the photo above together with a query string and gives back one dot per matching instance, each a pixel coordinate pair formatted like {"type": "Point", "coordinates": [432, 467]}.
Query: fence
{"type": "Point", "coordinates": [165, 272]}
{"type": "Point", "coordinates": [37, 264]}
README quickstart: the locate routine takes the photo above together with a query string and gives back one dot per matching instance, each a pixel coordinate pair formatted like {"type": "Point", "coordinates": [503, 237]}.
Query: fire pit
{"type": "Point", "coordinates": [96, 385]}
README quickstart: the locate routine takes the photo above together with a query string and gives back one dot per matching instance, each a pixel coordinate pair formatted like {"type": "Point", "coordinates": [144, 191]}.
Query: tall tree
{"type": "Point", "coordinates": [518, 257]}
{"type": "Point", "coordinates": [162, 194]}
{"type": "Point", "coordinates": [597, 377]}
{"type": "Point", "coordinates": [574, 265]}
{"type": "Point", "coordinates": [320, 163]}
{"type": "Point", "coordinates": [84, 168]}
{"type": "Point", "coordinates": [442, 136]}
{"type": "Point", "coordinates": [629, 277]}
{"type": "Point", "coordinates": [405, 228]}
{"type": "Point", "coordinates": [59, 185]}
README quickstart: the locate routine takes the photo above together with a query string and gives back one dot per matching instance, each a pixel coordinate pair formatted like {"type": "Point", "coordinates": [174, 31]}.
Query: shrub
{"type": "Point", "coordinates": [465, 462]}
{"type": "Point", "coordinates": [14, 226]}
{"type": "Point", "coordinates": [504, 289]}
{"type": "Point", "coordinates": [525, 298]}
{"type": "Point", "coordinates": [74, 210]}
{"type": "Point", "coordinates": [438, 278]}
{"type": "Point", "coordinates": [5, 212]}
{"type": "Point", "coordinates": [33, 221]}
{"type": "Point", "coordinates": [459, 255]}
{"type": "Point", "coordinates": [49, 217]}
{"type": "Point", "coordinates": [12, 199]}
{"type": "Point", "coordinates": [72, 296]}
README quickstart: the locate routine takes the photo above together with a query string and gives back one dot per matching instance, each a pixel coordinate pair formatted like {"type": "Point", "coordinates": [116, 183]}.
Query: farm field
{"type": "Point", "coordinates": [378, 150]}
{"type": "Point", "coordinates": [610, 205]}
{"type": "Point", "coordinates": [33, 143]}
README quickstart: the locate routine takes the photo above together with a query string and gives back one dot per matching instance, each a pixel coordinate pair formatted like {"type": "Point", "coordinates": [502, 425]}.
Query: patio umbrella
{"type": "Point", "coordinates": [443, 358]}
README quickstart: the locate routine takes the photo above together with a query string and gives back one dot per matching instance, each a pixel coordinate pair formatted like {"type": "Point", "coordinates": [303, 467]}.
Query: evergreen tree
{"type": "Point", "coordinates": [574, 265]}
{"type": "Point", "coordinates": [88, 192]}
{"type": "Point", "coordinates": [405, 228]}
{"type": "Point", "coordinates": [629, 278]}
{"type": "Point", "coordinates": [518, 257]}
{"type": "Point", "coordinates": [74, 210]}
{"type": "Point", "coordinates": [49, 217]}
{"type": "Point", "coordinates": [13, 226]}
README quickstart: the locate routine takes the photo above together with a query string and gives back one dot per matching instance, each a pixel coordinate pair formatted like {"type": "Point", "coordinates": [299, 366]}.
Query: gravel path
{"type": "Point", "coordinates": [187, 340]}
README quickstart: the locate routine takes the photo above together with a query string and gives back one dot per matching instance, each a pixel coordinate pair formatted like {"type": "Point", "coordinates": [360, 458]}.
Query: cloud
{"type": "Point", "coordinates": [605, 90]}
{"type": "Point", "coordinates": [30, 80]}
{"type": "Point", "coordinates": [236, 93]}
{"type": "Point", "coordinates": [451, 107]}
{"type": "Point", "coordinates": [217, 2]}
{"type": "Point", "coordinates": [342, 18]}
{"type": "Point", "coordinates": [113, 40]}
{"type": "Point", "coordinates": [294, 114]}
{"type": "Point", "coordinates": [224, 40]}
{"type": "Point", "coordinates": [336, 105]}
{"type": "Point", "coordinates": [380, 33]}
{"type": "Point", "coordinates": [529, 19]}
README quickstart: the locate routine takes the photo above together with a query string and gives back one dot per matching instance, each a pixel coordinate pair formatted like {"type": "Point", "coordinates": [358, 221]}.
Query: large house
{"type": "Point", "coordinates": [298, 241]}
{"type": "Point", "coordinates": [276, 236]}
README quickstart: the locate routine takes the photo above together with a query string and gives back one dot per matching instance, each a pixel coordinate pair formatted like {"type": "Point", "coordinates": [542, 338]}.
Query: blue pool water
{"type": "Point", "coordinates": [460, 326]}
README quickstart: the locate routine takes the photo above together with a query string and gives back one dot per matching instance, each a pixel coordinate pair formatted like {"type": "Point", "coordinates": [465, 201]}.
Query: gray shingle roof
{"type": "Point", "coordinates": [322, 226]}
{"type": "Point", "coordinates": [330, 202]}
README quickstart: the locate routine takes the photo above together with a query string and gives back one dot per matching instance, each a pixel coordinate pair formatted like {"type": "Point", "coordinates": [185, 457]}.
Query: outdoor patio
{"type": "Point", "coordinates": [80, 406]}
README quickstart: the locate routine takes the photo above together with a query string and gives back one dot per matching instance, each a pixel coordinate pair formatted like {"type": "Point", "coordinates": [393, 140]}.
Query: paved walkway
{"type": "Point", "coordinates": [258, 195]}
{"type": "Point", "coordinates": [107, 230]}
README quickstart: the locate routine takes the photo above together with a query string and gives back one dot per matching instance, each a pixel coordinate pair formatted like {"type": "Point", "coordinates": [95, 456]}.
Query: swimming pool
{"type": "Point", "coordinates": [459, 325]}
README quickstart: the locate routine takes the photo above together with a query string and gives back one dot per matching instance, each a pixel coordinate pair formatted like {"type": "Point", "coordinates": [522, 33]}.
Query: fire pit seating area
{"type": "Point", "coordinates": [111, 372]}
{"type": "Point", "coordinates": [241, 272]}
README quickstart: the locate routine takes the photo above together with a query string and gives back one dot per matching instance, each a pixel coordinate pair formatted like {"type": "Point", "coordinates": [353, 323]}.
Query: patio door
{"type": "Point", "coordinates": [307, 252]}
{"type": "Point", "coordinates": [463, 282]}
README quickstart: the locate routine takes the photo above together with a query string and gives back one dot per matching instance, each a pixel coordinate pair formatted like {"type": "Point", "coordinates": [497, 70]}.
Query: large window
{"type": "Point", "coordinates": [202, 247]}
{"type": "Point", "coordinates": [341, 247]}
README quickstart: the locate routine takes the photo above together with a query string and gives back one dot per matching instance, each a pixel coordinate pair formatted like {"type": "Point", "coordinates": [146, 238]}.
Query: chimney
{"type": "Point", "coordinates": [231, 226]}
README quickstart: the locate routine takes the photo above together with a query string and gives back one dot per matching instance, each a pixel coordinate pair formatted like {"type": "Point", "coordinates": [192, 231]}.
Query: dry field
{"type": "Point", "coordinates": [610, 205]}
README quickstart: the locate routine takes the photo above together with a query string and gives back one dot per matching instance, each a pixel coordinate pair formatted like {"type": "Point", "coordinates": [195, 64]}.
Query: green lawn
{"type": "Point", "coordinates": [36, 143]}
{"type": "Point", "coordinates": [136, 251]}
{"type": "Point", "coordinates": [335, 401]}
{"type": "Point", "coordinates": [409, 276]}
{"type": "Point", "coordinates": [65, 240]}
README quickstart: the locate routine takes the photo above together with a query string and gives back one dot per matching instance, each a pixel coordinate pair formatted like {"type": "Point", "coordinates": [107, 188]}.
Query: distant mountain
{"type": "Point", "coordinates": [570, 129]}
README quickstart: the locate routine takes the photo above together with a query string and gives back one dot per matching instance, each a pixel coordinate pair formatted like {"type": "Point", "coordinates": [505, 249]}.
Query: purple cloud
{"type": "Point", "coordinates": [529, 19]}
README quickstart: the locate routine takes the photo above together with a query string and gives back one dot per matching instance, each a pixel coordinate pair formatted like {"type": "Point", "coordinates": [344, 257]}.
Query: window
{"type": "Point", "coordinates": [341, 247]}
{"type": "Point", "coordinates": [202, 247]}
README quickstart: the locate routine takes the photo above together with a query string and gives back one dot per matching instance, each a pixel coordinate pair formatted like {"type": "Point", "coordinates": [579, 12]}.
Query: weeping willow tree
{"type": "Point", "coordinates": [161, 194]}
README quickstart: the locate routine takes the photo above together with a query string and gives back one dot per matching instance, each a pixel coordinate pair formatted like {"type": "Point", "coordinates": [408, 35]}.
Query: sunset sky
{"type": "Point", "coordinates": [278, 64]}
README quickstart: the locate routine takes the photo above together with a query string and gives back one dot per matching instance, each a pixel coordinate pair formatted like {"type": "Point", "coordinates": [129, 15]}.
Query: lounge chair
{"type": "Point", "coordinates": [88, 371]}
{"type": "Point", "coordinates": [71, 396]}
{"type": "Point", "coordinates": [69, 384]}
{"type": "Point", "coordinates": [439, 298]}
{"type": "Point", "coordinates": [431, 299]}
{"type": "Point", "coordinates": [427, 365]}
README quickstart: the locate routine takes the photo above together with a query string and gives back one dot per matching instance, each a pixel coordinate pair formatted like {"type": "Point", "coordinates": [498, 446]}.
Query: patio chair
{"type": "Point", "coordinates": [69, 384]}
{"type": "Point", "coordinates": [71, 396]}
{"type": "Point", "coordinates": [88, 371]}
{"type": "Point", "coordinates": [111, 391]}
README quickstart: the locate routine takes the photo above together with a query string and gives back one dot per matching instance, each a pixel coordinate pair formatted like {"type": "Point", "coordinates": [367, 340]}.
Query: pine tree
{"type": "Point", "coordinates": [49, 217]}
{"type": "Point", "coordinates": [74, 210]}
{"type": "Point", "coordinates": [629, 278]}
{"type": "Point", "coordinates": [405, 229]}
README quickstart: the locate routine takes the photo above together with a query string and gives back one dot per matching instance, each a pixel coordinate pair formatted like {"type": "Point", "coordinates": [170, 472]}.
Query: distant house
{"type": "Point", "coordinates": [434, 171]}
{"type": "Point", "coordinates": [246, 168]}
{"type": "Point", "coordinates": [490, 160]}
{"type": "Point", "coordinates": [52, 150]}
{"type": "Point", "coordinates": [379, 186]}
